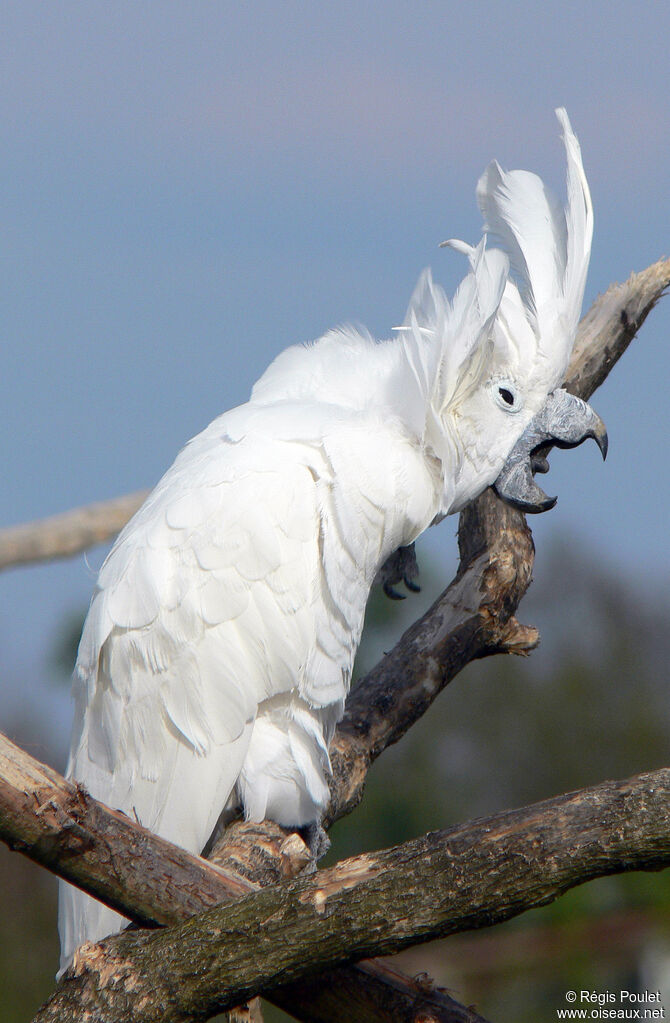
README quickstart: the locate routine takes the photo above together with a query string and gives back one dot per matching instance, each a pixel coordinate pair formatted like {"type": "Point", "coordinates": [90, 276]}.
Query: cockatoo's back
{"type": "Point", "coordinates": [218, 648]}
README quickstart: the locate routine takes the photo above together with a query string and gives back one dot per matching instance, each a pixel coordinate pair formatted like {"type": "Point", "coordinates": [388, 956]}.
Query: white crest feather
{"type": "Point", "coordinates": [446, 342]}
{"type": "Point", "coordinates": [549, 249]}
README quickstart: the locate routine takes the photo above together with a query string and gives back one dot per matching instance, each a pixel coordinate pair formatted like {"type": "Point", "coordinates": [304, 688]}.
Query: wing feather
{"type": "Point", "coordinates": [229, 611]}
{"type": "Point", "coordinates": [184, 640]}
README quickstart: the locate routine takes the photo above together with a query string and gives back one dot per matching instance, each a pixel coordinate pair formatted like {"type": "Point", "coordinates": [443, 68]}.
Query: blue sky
{"type": "Point", "coordinates": [188, 188]}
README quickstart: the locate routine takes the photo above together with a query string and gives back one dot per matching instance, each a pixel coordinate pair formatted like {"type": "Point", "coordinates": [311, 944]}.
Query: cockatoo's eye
{"type": "Point", "coordinates": [507, 396]}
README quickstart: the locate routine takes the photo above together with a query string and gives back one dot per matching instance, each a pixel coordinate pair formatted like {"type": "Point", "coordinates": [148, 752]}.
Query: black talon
{"type": "Point", "coordinates": [400, 567]}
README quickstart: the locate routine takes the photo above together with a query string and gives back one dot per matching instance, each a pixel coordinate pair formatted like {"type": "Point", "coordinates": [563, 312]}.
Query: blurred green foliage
{"type": "Point", "coordinates": [28, 939]}
{"type": "Point", "coordinates": [591, 704]}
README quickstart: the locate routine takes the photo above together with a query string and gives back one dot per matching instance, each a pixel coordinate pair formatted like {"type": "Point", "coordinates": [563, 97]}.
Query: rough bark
{"type": "Point", "coordinates": [154, 883]}
{"type": "Point", "coordinates": [123, 864]}
{"type": "Point", "coordinates": [496, 558]}
{"type": "Point", "coordinates": [471, 876]}
{"type": "Point", "coordinates": [473, 618]}
{"type": "Point", "coordinates": [372, 991]}
{"type": "Point", "coordinates": [610, 325]}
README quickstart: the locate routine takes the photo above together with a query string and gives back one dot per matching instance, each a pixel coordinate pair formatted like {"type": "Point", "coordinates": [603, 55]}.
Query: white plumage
{"type": "Point", "coordinates": [217, 652]}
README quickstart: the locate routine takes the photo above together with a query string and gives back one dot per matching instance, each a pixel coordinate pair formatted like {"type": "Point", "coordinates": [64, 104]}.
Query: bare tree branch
{"type": "Point", "coordinates": [62, 536]}
{"type": "Point", "coordinates": [475, 615]}
{"type": "Point", "coordinates": [59, 825]}
{"type": "Point", "coordinates": [611, 324]}
{"type": "Point", "coordinates": [471, 876]}
{"type": "Point", "coordinates": [473, 618]}
{"type": "Point", "coordinates": [371, 992]}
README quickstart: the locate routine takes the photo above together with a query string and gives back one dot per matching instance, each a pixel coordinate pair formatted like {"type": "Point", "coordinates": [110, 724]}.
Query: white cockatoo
{"type": "Point", "coordinates": [217, 652]}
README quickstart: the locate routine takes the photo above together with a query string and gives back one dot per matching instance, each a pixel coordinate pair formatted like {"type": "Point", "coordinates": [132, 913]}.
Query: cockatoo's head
{"type": "Point", "coordinates": [492, 360]}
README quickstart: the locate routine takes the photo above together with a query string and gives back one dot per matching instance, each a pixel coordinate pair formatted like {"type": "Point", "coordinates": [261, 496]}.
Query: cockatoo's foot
{"type": "Point", "coordinates": [316, 840]}
{"type": "Point", "coordinates": [401, 567]}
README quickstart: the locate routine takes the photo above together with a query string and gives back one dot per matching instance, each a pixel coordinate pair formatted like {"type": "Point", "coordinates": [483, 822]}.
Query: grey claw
{"type": "Point", "coordinates": [391, 593]}
{"type": "Point", "coordinates": [316, 840]}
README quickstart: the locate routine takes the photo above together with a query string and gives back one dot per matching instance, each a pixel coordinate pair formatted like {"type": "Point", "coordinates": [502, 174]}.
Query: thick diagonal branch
{"type": "Point", "coordinates": [475, 615]}
{"type": "Point", "coordinates": [153, 882]}
{"type": "Point", "coordinates": [467, 877]}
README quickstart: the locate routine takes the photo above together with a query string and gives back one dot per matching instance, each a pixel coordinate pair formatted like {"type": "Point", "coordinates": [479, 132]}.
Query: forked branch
{"type": "Point", "coordinates": [471, 876]}
{"type": "Point", "coordinates": [473, 618]}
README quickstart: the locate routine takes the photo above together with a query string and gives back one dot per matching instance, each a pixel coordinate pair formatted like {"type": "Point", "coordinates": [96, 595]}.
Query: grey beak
{"type": "Point", "coordinates": [564, 421]}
